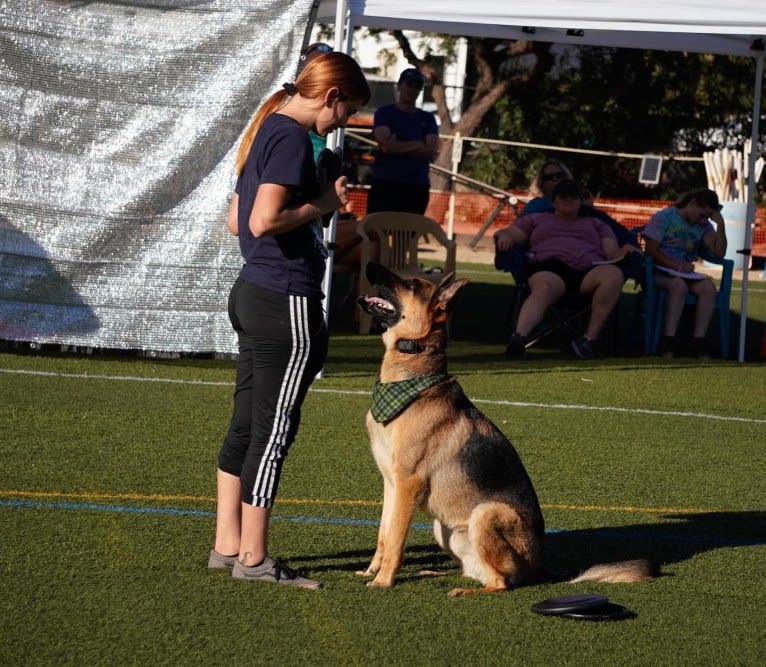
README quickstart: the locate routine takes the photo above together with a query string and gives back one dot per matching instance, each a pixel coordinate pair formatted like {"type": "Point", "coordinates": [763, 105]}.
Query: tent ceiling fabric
{"type": "Point", "coordinates": [707, 26]}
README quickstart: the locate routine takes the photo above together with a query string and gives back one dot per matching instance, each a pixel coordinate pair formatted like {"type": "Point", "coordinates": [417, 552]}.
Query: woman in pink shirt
{"type": "Point", "coordinates": [565, 250]}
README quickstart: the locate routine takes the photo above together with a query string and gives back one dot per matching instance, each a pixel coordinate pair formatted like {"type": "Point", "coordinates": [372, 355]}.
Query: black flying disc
{"type": "Point", "coordinates": [606, 612]}
{"type": "Point", "coordinates": [569, 603]}
{"type": "Point", "coordinates": [582, 607]}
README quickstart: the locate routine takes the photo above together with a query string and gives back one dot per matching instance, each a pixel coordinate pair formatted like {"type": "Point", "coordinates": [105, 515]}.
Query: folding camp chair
{"type": "Point", "coordinates": [564, 314]}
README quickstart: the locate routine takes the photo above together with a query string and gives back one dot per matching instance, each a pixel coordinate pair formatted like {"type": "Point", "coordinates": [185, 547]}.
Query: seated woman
{"type": "Point", "coordinates": [673, 238]}
{"type": "Point", "coordinates": [549, 175]}
{"type": "Point", "coordinates": [566, 248]}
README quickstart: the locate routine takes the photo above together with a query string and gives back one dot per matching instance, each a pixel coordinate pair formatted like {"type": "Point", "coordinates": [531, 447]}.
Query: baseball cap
{"type": "Point", "coordinates": [412, 75]}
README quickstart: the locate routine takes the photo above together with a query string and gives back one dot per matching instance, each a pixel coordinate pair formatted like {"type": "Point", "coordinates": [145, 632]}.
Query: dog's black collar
{"type": "Point", "coordinates": [409, 346]}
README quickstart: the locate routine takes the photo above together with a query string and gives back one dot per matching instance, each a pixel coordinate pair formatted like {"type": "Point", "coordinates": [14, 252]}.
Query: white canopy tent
{"type": "Point", "coordinates": [736, 28]}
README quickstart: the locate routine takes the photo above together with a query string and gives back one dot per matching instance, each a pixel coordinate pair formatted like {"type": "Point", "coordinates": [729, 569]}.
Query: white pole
{"type": "Point", "coordinates": [750, 215]}
{"type": "Point", "coordinates": [342, 20]}
{"type": "Point", "coordinates": [335, 139]}
{"type": "Point", "coordinates": [457, 148]}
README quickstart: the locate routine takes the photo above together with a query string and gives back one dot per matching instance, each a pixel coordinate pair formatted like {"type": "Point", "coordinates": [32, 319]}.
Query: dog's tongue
{"type": "Point", "coordinates": [381, 303]}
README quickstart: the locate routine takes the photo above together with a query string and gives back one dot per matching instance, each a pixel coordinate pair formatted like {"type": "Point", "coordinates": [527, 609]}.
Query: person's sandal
{"type": "Point", "coordinates": [218, 561]}
{"type": "Point", "coordinates": [274, 571]}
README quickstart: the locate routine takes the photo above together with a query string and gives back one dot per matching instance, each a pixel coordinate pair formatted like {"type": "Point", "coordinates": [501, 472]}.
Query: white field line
{"type": "Point", "coordinates": [360, 392]}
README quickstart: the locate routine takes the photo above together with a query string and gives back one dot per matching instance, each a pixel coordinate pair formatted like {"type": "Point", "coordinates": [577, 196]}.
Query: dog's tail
{"type": "Point", "coordinates": [624, 572]}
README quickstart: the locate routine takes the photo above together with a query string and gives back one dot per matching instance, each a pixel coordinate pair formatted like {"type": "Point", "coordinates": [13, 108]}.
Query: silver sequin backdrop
{"type": "Point", "coordinates": [119, 123]}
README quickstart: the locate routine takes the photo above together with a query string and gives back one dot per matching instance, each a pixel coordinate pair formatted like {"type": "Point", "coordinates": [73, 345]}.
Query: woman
{"type": "Point", "coordinates": [673, 239]}
{"type": "Point", "coordinates": [275, 305]}
{"type": "Point", "coordinates": [549, 175]}
{"type": "Point", "coordinates": [566, 250]}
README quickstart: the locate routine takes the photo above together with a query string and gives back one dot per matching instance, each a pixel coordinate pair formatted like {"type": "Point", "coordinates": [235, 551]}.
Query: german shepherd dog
{"type": "Point", "coordinates": [437, 451]}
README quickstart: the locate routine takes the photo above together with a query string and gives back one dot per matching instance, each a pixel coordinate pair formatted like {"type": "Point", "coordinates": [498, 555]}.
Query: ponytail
{"type": "Point", "coordinates": [267, 108]}
{"type": "Point", "coordinates": [320, 74]}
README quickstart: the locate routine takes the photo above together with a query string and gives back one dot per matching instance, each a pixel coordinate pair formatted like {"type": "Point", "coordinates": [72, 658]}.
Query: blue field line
{"type": "Point", "coordinates": [609, 533]}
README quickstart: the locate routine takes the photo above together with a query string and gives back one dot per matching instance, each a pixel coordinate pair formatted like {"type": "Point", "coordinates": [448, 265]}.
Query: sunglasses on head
{"type": "Point", "coordinates": [553, 176]}
{"type": "Point", "coordinates": [322, 48]}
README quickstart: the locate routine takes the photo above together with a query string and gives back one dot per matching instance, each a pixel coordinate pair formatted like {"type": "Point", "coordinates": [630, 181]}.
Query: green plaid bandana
{"type": "Point", "coordinates": [390, 398]}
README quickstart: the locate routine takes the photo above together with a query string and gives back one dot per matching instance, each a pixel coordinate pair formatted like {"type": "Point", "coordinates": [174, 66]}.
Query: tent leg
{"type": "Point", "coordinates": [750, 215]}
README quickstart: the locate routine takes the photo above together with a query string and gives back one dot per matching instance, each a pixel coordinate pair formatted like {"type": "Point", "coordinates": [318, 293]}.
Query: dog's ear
{"type": "Point", "coordinates": [447, 293]}
{"type": "Point", "coordinates": [447, 280]}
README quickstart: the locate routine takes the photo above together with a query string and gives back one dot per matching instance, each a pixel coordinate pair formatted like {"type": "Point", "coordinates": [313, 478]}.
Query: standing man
{"type": "Point", "coordinates": [407, 139]}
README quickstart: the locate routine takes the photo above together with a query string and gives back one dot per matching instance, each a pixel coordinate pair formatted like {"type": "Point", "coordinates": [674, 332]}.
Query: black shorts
{"type": "Point", "coordinates": [388, 196]}
{"type": "Point", "coordinates": [572, 277]}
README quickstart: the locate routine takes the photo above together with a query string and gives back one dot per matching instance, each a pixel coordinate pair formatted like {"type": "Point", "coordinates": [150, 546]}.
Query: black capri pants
{"type": "Point", "coordinates": [282, 346]}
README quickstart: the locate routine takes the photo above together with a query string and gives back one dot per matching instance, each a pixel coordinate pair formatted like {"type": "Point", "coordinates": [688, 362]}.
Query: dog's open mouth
{"type": "Point", "coordinates": [383, 308]}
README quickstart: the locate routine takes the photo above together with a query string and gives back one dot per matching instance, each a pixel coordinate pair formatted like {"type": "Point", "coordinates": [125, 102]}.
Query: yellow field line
{"type": "Point", "coordinates": [93, 496]}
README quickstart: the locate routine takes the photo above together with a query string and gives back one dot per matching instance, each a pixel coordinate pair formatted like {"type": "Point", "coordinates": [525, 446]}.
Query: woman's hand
{"type": "Point", "coordinates": [341, 190]}
{"type": "Point", "coordinates": [626, 250]}
{"type": "Point", "coordinates": [503, 240]}
{"type": "Point", "coordinates": [332, 195]}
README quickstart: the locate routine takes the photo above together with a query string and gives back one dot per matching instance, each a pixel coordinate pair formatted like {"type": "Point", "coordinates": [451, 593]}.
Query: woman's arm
{"type": "Point", "coordinates": [653, 250]}
{"type": "Point", "coordinates": [613, 250]}
{"type": "Point", "coordinates": [716, 240]}
{"type": "Point", "coordinates": [388, 144]}
{"type": "Point", "coordinates": [506, 238]}
{"type": "Point", "coordinates": [270, 214]}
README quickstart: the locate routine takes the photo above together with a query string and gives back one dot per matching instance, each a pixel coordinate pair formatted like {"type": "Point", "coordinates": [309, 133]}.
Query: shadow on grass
{"type": "Point", "coordinates": [566, 553]}
{"type": "Point", "coordinates": [423, 556]}
{"type": "Point", "coordinates": [680, 538]}
{"type": "Point", "coordinates": [481, 316]}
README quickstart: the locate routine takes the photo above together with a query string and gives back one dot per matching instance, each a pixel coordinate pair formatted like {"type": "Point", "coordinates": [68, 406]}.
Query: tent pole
{"type": "Point", "coordinates": [750, 215]}
{"type": "Point", "coordinates": [335, 139]}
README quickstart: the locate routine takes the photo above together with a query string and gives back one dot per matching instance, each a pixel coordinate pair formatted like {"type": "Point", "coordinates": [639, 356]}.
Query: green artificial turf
{"type": "Point", "coordinates": [107, 513]}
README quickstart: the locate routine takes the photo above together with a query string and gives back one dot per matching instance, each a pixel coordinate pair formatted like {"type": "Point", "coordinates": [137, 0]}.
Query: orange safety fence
{"type": "Point", "coordinates": [473, 209]}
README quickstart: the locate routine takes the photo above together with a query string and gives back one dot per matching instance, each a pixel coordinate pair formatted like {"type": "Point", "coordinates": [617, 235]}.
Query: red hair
{"type": "Point", "coordinates": [329, 70]}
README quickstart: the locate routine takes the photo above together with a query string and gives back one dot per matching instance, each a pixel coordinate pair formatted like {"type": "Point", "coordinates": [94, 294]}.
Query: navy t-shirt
{"type": "Point", "coordinates": [292, 262]}
{"type": "Point", "coordinates": [407, 126]}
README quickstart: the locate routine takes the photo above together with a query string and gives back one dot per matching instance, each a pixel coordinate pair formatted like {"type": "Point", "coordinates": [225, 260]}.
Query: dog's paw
{"type": "Point", "coordinates": [464, 592]}
{"type": "Point", "coordinates": [365, 573]}
{"type": "Point", "coordinates": [381, 582]}
{"type": "Point", "coordinates": [460, 592]}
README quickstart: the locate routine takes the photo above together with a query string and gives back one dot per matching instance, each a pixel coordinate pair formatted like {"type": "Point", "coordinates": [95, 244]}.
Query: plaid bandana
{"type": "Point", "coordinates": [390, 398]}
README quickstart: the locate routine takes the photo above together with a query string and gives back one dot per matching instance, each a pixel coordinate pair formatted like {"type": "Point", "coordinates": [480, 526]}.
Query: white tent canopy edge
{"type": "Point", "coordinates": [702, 26]}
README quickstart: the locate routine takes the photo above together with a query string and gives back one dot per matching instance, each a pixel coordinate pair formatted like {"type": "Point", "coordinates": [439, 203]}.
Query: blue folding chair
{"type": "Point", "coordinates": [656, 297]}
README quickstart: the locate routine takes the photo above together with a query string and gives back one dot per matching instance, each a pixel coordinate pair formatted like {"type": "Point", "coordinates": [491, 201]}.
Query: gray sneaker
{"type": "Point", "coordinates": [274, 571]}
{"type": "Point", "coordinates": [218, 561]}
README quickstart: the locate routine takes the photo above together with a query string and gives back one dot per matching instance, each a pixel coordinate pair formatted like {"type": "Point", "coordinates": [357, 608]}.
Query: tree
{"type": "Point", "coordinates": [622, 100]}
{"type": "Point", "coordinates": [494, 68]}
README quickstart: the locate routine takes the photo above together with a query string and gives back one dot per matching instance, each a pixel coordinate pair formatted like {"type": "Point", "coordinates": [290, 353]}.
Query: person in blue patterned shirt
{"type": "Point", "coordinates": [674, 239]}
